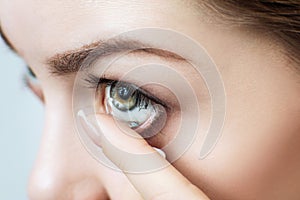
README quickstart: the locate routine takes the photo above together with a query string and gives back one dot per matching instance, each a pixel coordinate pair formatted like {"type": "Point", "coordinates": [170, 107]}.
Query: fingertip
{"type": "Point", "coordinates": [128, 150]}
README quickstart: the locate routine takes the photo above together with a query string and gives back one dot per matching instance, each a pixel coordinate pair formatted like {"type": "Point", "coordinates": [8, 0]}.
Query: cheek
{"type": "Point", "coordinates": [259, 142]}
{"type": "Point", "coordinates": [251, 157]}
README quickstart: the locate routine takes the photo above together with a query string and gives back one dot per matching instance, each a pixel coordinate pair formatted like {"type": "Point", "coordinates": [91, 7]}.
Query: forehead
{"type": "Point", "coordinates": [40, 28]}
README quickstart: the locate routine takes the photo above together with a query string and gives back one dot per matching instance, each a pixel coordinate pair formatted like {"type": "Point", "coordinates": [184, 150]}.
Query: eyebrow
{"type": "Point", "coordinates": [72, 61]}
{"type": "Point", "coordinates": [6, 41]}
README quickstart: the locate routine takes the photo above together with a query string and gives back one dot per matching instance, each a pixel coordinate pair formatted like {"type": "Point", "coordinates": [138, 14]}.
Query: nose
{"type": "Point", "coordinates": [63, 169]}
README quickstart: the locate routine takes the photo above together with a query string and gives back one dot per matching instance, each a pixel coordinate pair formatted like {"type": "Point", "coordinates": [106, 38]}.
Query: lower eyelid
{"type": "Point", "coordinates": [154, 124]}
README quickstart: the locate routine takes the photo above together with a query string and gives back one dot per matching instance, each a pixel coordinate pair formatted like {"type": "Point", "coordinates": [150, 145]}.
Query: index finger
{"type": "Point", "coordinates": [166, 183]}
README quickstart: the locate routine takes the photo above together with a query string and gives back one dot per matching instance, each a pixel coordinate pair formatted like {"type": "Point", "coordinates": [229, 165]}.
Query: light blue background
{"type": "Point", "coordinates": [21, 123]}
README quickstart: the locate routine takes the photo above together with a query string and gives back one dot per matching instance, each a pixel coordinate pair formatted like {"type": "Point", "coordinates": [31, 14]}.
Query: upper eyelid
{"type": "Point", "coordinates": [94, 82]}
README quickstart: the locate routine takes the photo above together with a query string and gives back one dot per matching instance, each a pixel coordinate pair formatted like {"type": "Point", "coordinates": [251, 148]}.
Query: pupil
{"type": "Point", "coordinates": [124, 92]}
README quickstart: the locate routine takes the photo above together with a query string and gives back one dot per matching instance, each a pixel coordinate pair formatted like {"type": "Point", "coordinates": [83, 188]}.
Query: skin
{"type": "Point", "coordinates": [258, 155]}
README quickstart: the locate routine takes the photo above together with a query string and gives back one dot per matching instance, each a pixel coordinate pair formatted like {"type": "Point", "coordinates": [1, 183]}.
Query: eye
{"type": "Point", "coordinates": [131, 105]}
{"type": "Point", "coordinates": [33, 84]}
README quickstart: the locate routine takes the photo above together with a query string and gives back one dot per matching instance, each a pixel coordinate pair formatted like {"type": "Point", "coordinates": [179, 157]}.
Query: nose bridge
{"type": "Point", "coordinates": [62, 166]}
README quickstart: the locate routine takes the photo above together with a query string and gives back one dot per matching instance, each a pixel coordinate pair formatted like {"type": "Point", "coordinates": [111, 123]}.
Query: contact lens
{"type": "Point", "coordinates": [126, 105]}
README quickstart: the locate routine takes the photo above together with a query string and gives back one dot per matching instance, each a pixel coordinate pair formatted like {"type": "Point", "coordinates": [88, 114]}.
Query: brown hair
{"type": "Point", "coordinates": [280, 18]}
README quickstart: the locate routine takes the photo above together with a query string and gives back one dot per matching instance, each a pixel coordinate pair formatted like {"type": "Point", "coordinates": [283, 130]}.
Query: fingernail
{"type": "Point", "coordinates": [161, 152]}
{"type": "Point", "coordinates": [88, 126]}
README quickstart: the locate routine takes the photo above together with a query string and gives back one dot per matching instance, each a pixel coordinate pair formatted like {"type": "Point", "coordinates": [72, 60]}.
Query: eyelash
{"type": "Point", "coordinates": [95, 82]}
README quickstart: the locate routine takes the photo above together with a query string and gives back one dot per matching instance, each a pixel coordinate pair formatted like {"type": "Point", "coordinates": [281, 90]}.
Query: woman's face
{"type": "Point", "coordinates": [258, 153]}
